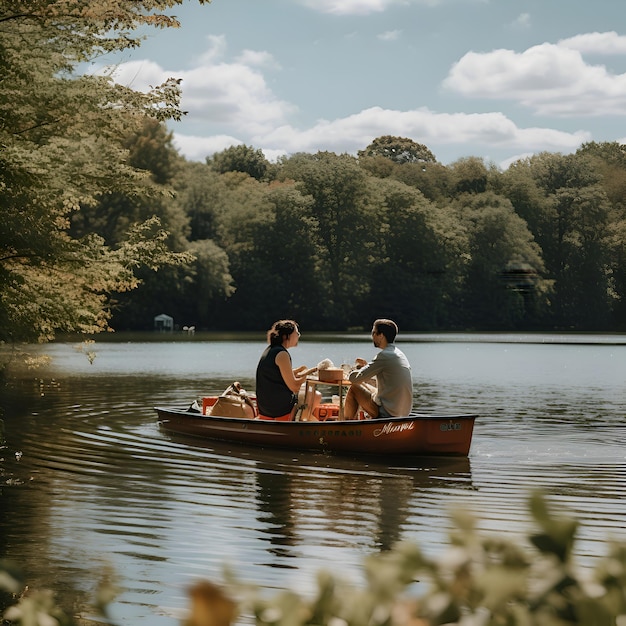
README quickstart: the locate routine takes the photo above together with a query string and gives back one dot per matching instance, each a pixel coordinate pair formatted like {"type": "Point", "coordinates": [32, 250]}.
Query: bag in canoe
{"type": "Point", "coordinates": [234, 402]}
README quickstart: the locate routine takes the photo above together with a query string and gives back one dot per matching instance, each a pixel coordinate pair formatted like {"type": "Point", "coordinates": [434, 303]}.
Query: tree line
{"type": "Point", "coordinates": [106, 225]}
{"type": "Point", "coordinates": [336, 240]}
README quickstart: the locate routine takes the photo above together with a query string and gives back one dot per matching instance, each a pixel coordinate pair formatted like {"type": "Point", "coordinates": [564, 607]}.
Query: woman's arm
{"type": "Point", "coordinates": [293, 381]}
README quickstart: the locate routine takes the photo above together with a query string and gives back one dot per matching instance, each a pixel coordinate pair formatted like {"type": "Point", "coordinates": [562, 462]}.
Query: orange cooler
{"type": "Point", "coordinates": [325, 412]}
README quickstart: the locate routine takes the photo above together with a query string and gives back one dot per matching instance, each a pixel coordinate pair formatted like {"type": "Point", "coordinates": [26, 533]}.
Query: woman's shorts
{"type": "Point", "coordinates": [282, 418]}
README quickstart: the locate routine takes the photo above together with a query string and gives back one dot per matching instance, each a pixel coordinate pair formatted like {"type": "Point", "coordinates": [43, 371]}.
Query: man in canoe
{"type": "Point", "coordinates": [392, 395]}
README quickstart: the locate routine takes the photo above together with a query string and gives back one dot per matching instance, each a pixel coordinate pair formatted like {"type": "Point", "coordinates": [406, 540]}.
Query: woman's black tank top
{"type": "Point", "coordinates": [273, 397]}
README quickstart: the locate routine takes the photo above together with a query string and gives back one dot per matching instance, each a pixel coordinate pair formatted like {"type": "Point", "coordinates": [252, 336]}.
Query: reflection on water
{"type": "Point", "coordinates": [344, 501]}
{"type": "Point", "coordinates": [98, 482]}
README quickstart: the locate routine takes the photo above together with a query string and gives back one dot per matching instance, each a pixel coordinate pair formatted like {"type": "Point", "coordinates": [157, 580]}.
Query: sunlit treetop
{"type": "Point", "coordinates": [399, 150]}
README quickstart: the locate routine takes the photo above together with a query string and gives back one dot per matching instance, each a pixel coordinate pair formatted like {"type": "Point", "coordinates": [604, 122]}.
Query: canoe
{"type": "Point", "coordinates": [414, 435]}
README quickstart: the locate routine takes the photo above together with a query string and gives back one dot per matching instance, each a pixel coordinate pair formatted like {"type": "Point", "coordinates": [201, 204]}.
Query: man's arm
{"type": "Point", "coordinates": [367, 372]}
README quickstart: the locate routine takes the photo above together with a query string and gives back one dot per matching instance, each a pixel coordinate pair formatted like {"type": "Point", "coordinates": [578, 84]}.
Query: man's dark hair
{"type": "Point", "coordinates": [388, 328]}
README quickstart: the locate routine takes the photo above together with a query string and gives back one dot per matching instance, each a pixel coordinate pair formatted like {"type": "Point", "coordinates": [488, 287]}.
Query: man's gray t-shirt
{"type": "Point", "coordinates": [392, 371]}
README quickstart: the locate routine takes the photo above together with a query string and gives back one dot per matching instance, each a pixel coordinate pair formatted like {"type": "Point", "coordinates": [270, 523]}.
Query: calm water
{"type": "Point", "coordinates": [90, 481]}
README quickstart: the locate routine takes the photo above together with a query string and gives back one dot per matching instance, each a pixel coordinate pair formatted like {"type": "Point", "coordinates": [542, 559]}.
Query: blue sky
{"type": "Point", "coordinates": [496, 79]}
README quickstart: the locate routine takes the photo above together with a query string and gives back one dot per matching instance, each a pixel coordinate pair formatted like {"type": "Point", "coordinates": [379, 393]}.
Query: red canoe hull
{"type": "Point", "coordinates": [414, 435]}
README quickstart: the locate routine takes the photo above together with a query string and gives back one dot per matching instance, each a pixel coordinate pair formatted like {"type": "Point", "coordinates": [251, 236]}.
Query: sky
{"type": "Point", "coordinates": [494, 79]}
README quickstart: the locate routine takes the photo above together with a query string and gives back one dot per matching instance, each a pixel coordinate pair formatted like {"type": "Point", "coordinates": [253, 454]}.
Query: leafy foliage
{"type": "Point", "coordinates": [242, 158]}
{"type": "Point", "coordinates": [333, 238]}
{"type": "Point", "coordinates": [417, 261]}
{"type": "Point", "coordinates": [62, 144]}
{"type": "Point", "coordinates": [399, 150]}
{"type": "Point", "coordinates": [478, 579]}
{"type": "Point", "coordinates": [497, 239]}
{"type": "Point", "coordinates": [346, 226]}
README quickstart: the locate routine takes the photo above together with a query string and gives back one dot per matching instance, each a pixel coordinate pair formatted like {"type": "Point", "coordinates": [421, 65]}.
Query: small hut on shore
{"type": "Point", "coordinates": [164, 323]}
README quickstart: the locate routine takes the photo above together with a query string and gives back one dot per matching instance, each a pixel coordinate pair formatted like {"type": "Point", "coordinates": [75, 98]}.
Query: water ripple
{"type": "Point", "coordinates": [98, 482]}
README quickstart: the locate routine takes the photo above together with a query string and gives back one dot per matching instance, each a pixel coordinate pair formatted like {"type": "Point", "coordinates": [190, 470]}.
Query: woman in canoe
{"type": "Point", "coordinates": [277, 383]}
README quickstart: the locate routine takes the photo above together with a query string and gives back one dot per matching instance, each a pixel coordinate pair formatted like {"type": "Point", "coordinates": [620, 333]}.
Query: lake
{"type": "Point", "coordinates": [89, 481]}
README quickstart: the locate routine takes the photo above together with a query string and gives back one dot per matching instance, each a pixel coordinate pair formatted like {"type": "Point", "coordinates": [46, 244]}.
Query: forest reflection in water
{"type": "Point", "coordinates": [89, 478]}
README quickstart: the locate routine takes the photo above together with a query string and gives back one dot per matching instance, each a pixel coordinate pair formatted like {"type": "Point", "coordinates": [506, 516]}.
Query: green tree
{"type": "Point", "coordinates": [240, 159]}
{"type": "Point", "coordinates": [242, 209]}
{"type": "Point", "coordinates": [609, 160]}
{"type": "Point", "coordinates": [573, 228]}
{"type": "Point", "coordinates": [398, 150]}
{"type": "Point", "coordinates": [348, 232]}
{"type": "Point", "coordinates": [469, 175]}
{"type": "Point", "coordinates": [378, 166]}
{"type": "Point", "coordinates": [504, 286]}
{"type": "Point", "coordinates": [418, 264]}
{"type": "Point", "coordinates": [279, 274]}
{"type": "Point", "coordinates": [434, 180]}
{"type": "Point", "coordinates": [207, 284]}
{"type": "Point", "coordinates": [584, 256]}
{"type": "Point", "coordinates": [150, 151]}
{"type": "Point", "coordinates": [61, 135]}
{"type": "Point", "coordinates": [200, 192]}
{"type": "Point", "coordinates": [617, 271]}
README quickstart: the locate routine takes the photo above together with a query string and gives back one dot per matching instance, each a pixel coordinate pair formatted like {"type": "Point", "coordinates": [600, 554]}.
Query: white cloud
{"type": "Point", "coordinates": [349, 7]}
{"type": "Point", "coordinates": [255, 58]}
{"type": "Point", "coordinates": [596, 43]}
{"type": "Point", "coordinates": [357, 131]}
{"type": "Point", "coordinates": [550, 79]}
{"type": "Point", "coordinates": [233, 94]}
{"type": "Point", "coordinates": [198, 148]}
{"type": "Point", "coordinates": [230, 102]}
{"type": "Point", "coordinates": [522, 20]}
{"type": "Point", "coordinates": [140, 75]}
{"type": "Point", "coordinates": [215, 50]}
{"type": "Point", "coordinates": [365, 7]}
{"type": "Point", "coordinates": [353, 133]}
{"type": "Point", "coordinates": [390, 35]}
